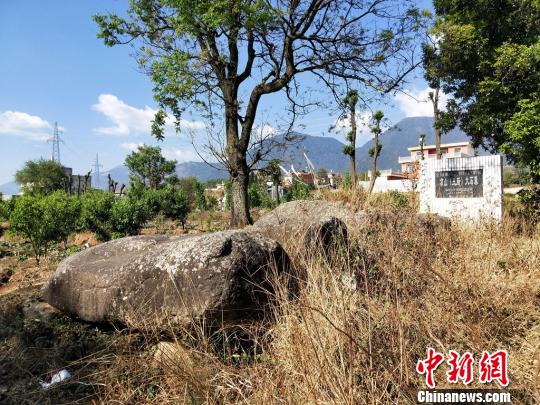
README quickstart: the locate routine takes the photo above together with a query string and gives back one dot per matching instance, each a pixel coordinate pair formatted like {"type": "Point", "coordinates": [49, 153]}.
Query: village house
{"type": "Point", "coordinates": [404, 180]}
{"type": "Point", "coordinates": [448, 150]}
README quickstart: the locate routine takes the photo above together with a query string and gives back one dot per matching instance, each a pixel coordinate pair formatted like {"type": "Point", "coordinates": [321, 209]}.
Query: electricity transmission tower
{"type": "Point", "coordinates": [55, 140]}
{"type": "Point", "coordinates": [97, 166]}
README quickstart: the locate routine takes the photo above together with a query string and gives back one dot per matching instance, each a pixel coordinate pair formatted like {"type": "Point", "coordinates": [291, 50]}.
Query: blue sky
{"type": "Point", "coordinates": [53, 68]}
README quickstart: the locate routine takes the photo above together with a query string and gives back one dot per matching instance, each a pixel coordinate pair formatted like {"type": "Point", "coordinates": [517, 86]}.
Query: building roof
{"type": "Point", "coordinates": [443, 145]}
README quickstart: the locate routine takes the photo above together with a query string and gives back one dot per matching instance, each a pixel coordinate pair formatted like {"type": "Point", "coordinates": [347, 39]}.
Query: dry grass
{"type": "Point", "coordinates": [363, 320]}
{"type": "Point", "coordinates": [364, 317]}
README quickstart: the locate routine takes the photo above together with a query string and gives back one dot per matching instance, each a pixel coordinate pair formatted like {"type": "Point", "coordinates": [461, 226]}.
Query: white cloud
{"type": "Point", "coordinates": [264, 131]}
{"type": "Point", "coordinates": [363, 131]}
{"type": "Point", "coordinates": [416, 103]}
{"type": "Point", "coordinates": [129, 120]}
{"type": "Point", "coordinates": [131, 145]}
{"type": "Point", "coordinates": [181, 155]}
{"type": "Point", "coordinates": [24, 125]}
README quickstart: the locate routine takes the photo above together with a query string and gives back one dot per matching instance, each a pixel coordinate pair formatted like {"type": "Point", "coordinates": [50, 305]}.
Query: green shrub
{"type": "Point", "coordinates": [63, 211]}
{"type": "Point", "coordinates": [96, 207]}
{"type": "Point", "coordinates": [30, 221]}
{"type": "Point", "coordinates": [128, 216]}
{"type": "Point", "coordinates": [299, 191]}
{"type": "Point", "coordinates": [6, 208]}
{"type": "Point", "coordinates": [174, 204]}
{"type": "Point", "coordinates": [399, 199]}
{"type": "Point", "coordinates": [529, 199]}
{"type": "Point", "coordinates": [152, 199]}
{"type": "Point", "coordinates": [168, 201]}
{"type": "Point", "coordinates": [44, 220]}
{"type": "Point", "coordinates": [212, 202]}
{"type": "Point", "coordinates": [258, 195]}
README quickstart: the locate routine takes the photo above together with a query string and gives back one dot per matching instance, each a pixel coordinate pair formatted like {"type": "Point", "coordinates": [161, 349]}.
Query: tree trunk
{"type": "Point", "coordinates": [352, 155]}
{"type": "Point", "coordinates": [276, 187]}
{"type": "Point", "coordinates": [374, 162]}
{"type": "Point", "coordinates": [238, 168]}
{"type": "Point", "coordinates": [435, 101]}
{"type": "Point", "coordinates": [240, 215]}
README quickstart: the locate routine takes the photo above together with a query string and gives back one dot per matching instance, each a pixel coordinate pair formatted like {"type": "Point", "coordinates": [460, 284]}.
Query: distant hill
{"type": "Point", "coordinates": [202, 171]}
{"type": "Point", "coordinates": [323, 151]}
{"type": "Point", "coordinates": [327, 152]}
{"type": "Point", "coordinates": [401, 136]}
{"type": "Point", "coordinates": [10, 188]}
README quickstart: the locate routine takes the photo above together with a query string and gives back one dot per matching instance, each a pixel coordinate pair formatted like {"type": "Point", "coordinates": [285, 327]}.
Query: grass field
{"type": "Point", "coordinates": [363, 319]}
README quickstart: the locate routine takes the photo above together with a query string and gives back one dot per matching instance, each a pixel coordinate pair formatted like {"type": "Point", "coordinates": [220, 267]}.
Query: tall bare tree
{"type": "Point", "coordinates": [350, 101]}
{"type": "Point", "coordinates": [375, 151]}
{"type": "Point", "coordinates": [225, 55]}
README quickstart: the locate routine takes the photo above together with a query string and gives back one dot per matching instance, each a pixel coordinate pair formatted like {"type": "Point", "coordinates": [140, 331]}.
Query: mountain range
{"type": "Point", "coordinates": [323, 151]}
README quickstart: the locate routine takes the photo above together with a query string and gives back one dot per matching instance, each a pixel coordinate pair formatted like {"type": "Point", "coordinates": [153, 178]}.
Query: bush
{"type": "Point", "coordinates": [529, 199]}
{"type": "Point", "coordinates": [95, 216]}
{"type": "Point", "coordinates": [399, 199]}
{"type": "Point", "coordinates": [127, 217]}
{"type": "Point", "coordinates": [29, 220]}
{"type": "Point", "coordinates": [258, 194]}
{"type": "Point", "coordinates": [167, 201]}
{"type": "Point", "coordinates": [152, 199]}
{"type": "Point", "coordinates": [299, 191]}
{"type": "Point", "coordinates": [44, 220]}
{"type": "Point", "coordinates": [6, 208]}
{"type": "Point", "coordinates": [63, 211]}
{"type": "Point", "coordinates": [174, 204]}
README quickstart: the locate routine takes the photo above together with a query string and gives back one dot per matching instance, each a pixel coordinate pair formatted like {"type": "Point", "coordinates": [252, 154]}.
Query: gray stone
{"type": "Point", "coordinates": [307, 221]}
{"type": "Point", "coordinates": [157, 281]}
{"type": "Point", "coordinates": [39, 311]}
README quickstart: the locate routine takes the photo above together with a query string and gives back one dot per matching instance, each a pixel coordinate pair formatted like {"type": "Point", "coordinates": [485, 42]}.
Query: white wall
{"type": "Point", "coordinates": [489, 206]}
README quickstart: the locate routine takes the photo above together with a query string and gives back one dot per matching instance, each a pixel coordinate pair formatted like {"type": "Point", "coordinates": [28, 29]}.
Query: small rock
{"type": "Point", "coordinates": [171, 355]}
{"type": "Point", "coordinates": [5, 275]}
{"type": "Point", "coordinates": [40, 311]}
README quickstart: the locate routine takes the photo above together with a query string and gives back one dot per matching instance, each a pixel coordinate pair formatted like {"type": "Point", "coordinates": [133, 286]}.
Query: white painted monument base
{"type": "Point", "coordinates": [462, 188]}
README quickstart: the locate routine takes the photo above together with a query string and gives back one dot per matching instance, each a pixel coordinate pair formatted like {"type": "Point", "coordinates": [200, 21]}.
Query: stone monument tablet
{"type": "Point", "coordinates": [465, 188]}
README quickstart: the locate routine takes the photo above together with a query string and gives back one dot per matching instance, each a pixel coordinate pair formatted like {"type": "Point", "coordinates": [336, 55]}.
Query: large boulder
{"type": "Point", "coordinates": [297, 224]}
{"type": "Point", "coordinates": [160, 281]}
{"type": "Point", "coordinates": [305, 224]}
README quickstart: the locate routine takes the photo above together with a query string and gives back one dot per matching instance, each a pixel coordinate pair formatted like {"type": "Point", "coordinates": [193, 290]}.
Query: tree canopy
{"type": "Point", "coordinates": [41, 177]}
{"type": "Point", "coordinates": [223, 56]}
{"type": "Point", "coordinates": [490, 64]}
{"type": "Point", "coordinates": [148, 167]}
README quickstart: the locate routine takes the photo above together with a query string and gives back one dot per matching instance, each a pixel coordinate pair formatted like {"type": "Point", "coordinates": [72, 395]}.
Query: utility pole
{"type": "Point", "coordinates": [97, 166]}
{"type": "Point", "coordinates": [55, 140]}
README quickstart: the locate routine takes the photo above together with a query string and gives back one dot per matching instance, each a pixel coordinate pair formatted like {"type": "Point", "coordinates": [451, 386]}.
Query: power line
{"type": "Point", "coordinates": [97, 166]}
{"type": "Point", "coordinates": [55, 140]}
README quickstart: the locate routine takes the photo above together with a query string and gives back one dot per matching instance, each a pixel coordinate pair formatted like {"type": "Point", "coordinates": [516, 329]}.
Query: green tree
{"type": "Point", "coordinates": [62, 212]}
{"type": "Point", "coordinates": [300, 191]}
{"type": "Point", "coordinates": [127, 217]}
{"type": "Point", "coordinates": [523, 141]}
{"type": "Point", "coordinates": [258, 192]}
{"type": "Point", "coordinates": [168, 201]}
{"type": "Point", "coordinates": [375, 151]}
{"type": "Point", "coordinates": [490, 64]}
{"type": "Point", "coordinates": [95, 216]}
{"type": "Point", "coordinates": [30, 221]}
{"type": "Point", "coordinates": [41, 177]}
{"type": "Point", "coordinates": [200, 199]}
{"type": "Point", "coordinates": [175, 205]}
{"type": "Point", "coordinates": [205, 53]}
{"type": "Point", "coordinates": [147, 166]}
{"type": "Point", "coordinates": [6, 208]}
